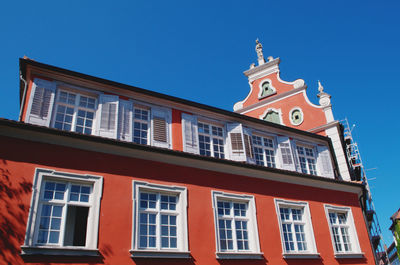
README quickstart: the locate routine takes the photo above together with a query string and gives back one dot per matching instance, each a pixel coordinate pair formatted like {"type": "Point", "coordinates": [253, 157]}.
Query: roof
{"type": "Point", "coordinates": [28, 62]}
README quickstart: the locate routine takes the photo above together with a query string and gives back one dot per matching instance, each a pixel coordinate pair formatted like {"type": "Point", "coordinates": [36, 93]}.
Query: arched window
{"type": "Point", "coordinates": [266, 89]}
{"type": "Point", "coordinates": [272, 116]}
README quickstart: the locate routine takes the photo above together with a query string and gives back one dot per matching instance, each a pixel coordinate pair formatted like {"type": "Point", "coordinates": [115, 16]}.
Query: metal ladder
{"type": "Point", "coordinates": [358, 170]}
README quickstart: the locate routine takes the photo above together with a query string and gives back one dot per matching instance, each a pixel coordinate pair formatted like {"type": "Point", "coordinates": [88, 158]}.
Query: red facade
{"type": "Point", "coordinates": [120, 174]}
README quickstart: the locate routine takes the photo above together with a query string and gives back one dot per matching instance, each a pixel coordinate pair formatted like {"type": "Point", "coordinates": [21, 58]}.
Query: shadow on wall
{"type": "Point", "coordinates": [242, 262]}
{"type": "Point", "coordinates": [13, 213]}
{"type": "Point", "coordinates": [145, 261]}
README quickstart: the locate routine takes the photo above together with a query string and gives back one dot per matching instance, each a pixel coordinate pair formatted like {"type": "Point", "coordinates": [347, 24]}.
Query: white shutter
{"type": "Point", "coordinates": [190, 133]}
{"type": "Point", "coordinates": [125, 120]}
{"type": "Point", "coordinates": [160, 120]}
{"type": "Point", "coordinates": [248, 145]}
{"type": "Point", "coordinates": [324, 162]}
{"type": "Point", "coordinates": [41, 102]}
{"type": "Point", "coordinates": [235, 134]}
{"type": "Point", "coordinates": [285, 153]}
{"type": "Point", "coordinates": [107, 123]}
{"type": "Point", "coordinates": [295, 156]}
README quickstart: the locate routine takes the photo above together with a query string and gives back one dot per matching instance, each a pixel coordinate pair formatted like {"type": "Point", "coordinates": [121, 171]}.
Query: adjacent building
{"type": "Point", "coordinates": [101, 172]}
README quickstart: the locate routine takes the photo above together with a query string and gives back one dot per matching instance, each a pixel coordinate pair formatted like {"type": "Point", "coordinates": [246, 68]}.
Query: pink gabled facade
{"type": "Point", "coordinates": [98, 172]}
{"type": "Point", "coordinates": [289, 104]}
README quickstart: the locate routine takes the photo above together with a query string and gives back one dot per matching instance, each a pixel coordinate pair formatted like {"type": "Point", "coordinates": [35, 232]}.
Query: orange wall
{"type": "Point", "coordinates": [280, 88]}
{"type": "Point", "coordinates": [312, 117]}
{"type": "Point", "coordinates": [19, 158]}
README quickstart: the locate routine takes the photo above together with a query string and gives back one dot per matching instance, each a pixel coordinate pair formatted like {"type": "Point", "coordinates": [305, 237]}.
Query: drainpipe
{"type": "Point", "coordinates": [23, 95]}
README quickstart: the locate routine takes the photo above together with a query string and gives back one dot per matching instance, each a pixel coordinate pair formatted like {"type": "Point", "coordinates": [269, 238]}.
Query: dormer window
{"type": "Point", "coordinates": [266, 89]}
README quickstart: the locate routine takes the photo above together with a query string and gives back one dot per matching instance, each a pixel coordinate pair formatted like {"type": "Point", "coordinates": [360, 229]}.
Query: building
{"type": "Point", "coordinates": [393, 254]}
{"type": "Point", "coordinates": [101, 172]}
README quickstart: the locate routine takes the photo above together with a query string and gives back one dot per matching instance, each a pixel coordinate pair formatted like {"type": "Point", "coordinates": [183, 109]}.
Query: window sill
{"type": "Point", "coordinates": [236, 255]}
{"type": "Point", "coordinates": [301, 256]}
{"type": "Point", "coordinates": [349, 255]}
{"type": "Point", "coordinates": [58, 251]}
{"type": "Point", "coordinates": [160, 254]}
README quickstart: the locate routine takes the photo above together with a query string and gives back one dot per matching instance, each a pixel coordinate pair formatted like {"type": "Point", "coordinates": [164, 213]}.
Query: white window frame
{"type": "Point", "coordinates": [355, 245]}
{"type": "Point", "coordinates": [311, 251]}
{"type": "Point", "coordinates": [76, 107]}
{"type": "Point", "coordinates": [148, 122]}
{"type": "Point", "coordinates": [263, 147]}
{"type": "Point", "coordinates": [260, 87]}
{"type": "Point", "coordinates": [290, 116]}
{"type": "Point", "coordinates": [254, 244]}
{"type": "Point", "coordinates": [30, 246]}
{"type": "Point", "coordinates": [212, 136]}
{"type": "Point", "coordinates": [182, 250]}
{"type": "Point", "coordinates": [306, 157]}
{"type": "Point", "coordinates": [268, 110]}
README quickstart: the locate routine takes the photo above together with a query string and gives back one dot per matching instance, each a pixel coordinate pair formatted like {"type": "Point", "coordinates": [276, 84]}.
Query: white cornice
{"type": "Point", "coordinates": [170, 158]}
{"type": "Point", "coordinates": [262, 70]}
{"type": "Point", "coordinates": [324, 127]}
{"type": "Point", "coordinates": [270, 100]}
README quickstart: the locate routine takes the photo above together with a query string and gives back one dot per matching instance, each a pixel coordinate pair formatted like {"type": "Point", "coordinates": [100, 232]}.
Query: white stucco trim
{"type": "Point", "coordinates": [290, 115]}
{"type": "Point", "coordinates": [309, 102]}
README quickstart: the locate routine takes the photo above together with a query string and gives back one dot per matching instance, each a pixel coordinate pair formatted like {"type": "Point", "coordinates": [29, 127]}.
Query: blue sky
{"type": "Point", "coordinates": [197, 50]}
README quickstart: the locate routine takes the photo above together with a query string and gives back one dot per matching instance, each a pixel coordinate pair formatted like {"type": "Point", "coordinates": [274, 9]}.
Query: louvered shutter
{"type": "Point", "coordinates": [324, 162]}
{"type": "Point", "coordinates": [285, 153]}
{"type": "Point", "coordinates": [160, 120]}
{"type": "Point", "coordinates": [125, 120]}
{"type": "Point", "coordinates": [295, 156]}
{"type": "Point", "coordinates": [41, 102]}
{"type": "Point", "coordinates": [248, 145]}
{"type": "Point", "coordinates": [237, 148]}
{"type": "Point", "coordinates": [107, 124]}
{"type": "Point", "coordinates": [190, 133]}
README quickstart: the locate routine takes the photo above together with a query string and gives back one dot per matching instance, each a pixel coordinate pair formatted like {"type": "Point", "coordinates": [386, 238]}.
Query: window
{"type": "Point", "coordinates": [296, 116]}
{"type": "Point", "coordinates": [296, 229]}
{"type": "Point", "coordinates": [266, 89]}
{"type": "Point", "coordinates": [272, 116]}
{"type": "Point", "coordinates": [235, 226]}
{"type": "Point", "coordinates": [343, 232]}
{"type": "Point", "coordinates": [264, 151]}
{"type": "Point", "coordinates": [64, 214]}
{"type": "Point", "coordinates": [160, 221]}
{"type": "Point", "coordinates": [141, 119]}
{"type": "Point", "coordinates": [211, 140]}
{"type": "Point", "coordinates": [307, 160]}
{"type": "Point", "coordinates": [74, 112]}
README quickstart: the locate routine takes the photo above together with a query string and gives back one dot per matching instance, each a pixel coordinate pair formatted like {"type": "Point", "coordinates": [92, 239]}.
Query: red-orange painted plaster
{"type": "Point", "coordinates": [177, 130]}
{"type": "Point", "coordinates": [19, 158]}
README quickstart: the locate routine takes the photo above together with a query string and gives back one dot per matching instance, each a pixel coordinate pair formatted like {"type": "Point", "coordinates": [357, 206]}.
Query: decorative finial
{"type": "Point", "coordinates": [320, 87]}
{"type": "Point", "coordinates": [259, 50]}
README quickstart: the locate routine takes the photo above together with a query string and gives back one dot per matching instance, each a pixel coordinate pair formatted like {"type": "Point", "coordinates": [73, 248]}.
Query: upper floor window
{"type": "Point", "coordinates": [343, 232]}
{"type": "Point", "coordinates": [64, 212]}
{"type": "Point", "coordinates": [296, 228]}
{"type": "Point", "coordinates": [74, 112]}
{"type": "Point", "coordinates": [160, 222]}
{"type": "Point", "coordinates": [83, 111]}
{"type": "Point", "coordinates": [211, 140]}
{"type": "Point", "coordinates": [264, 151]}
{"type": "Point", "coordinates": [141, 126]}
{"type": "Point", "coordinates": [296, 116]}
{"type": "Point", "coordinates": [266, 89]}
{"type": "Point", "coordinates": [272, 116]}
{"type": "Point", "coordinates": [235, 225]}
{"type": "Point", "coordinates": [307, 160]}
